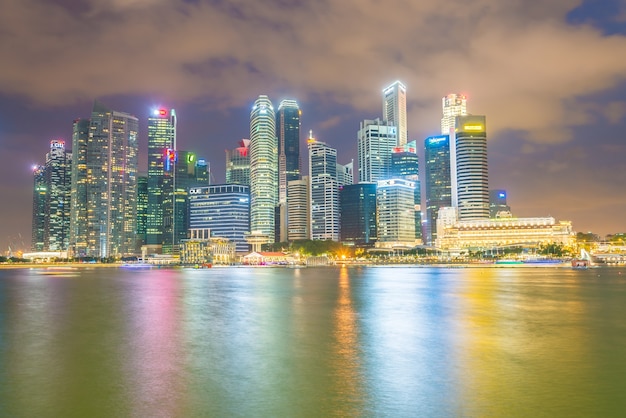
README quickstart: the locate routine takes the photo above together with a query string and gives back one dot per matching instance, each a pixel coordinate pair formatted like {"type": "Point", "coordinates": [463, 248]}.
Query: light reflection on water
{"type": "Point", "coordinates": [358, 341]}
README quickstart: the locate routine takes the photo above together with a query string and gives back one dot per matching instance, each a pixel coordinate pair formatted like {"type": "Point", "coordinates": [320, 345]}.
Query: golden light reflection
{"type": "Point", "coordinates": [506, 355]}
{"type": "Point", "coordinates": [347, 367]}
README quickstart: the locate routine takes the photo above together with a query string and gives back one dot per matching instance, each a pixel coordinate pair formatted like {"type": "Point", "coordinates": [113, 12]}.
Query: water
{"type": "Point", "coordinates": [271, 342]}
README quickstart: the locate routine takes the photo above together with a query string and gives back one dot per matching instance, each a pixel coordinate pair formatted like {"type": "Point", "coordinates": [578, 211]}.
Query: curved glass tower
{"type": "Point", "coordinates": [263, 167]}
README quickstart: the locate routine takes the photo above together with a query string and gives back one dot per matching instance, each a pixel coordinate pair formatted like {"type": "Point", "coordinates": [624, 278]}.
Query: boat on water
{"type": "Point", "coordinates": [580, 264]}
{"type": "Point", "coordinates": [583, 262]}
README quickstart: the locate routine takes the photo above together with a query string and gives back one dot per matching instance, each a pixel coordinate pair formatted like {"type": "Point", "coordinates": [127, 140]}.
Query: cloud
{"type": "Point", "coordinates": [520, 64]}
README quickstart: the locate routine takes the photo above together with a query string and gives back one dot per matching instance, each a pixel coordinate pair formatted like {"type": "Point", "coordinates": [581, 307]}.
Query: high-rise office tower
{"type": "Point", "coordinates": [345, 173]}
{"type": "Point", "coordinates": [358, 210]}
{"type": "Point", "coordinates": [405, 165]}
{"type": "Point", "coordinates": [109, 160]}
{"type": "Point", "coordinates": [325, 215]}
{"type": "Point", "coordinates": [395, 211]}
{"type": "Point", "coordinates": [376, 141]}
{"type": "Point", "coordinates": [224, 209]}
{"type": "Point", "coordinates": [202, 170]}
{"type": "Point", "coordinates": [181, 172]}
{"type": "Point", "coordinates": [472, 185]}
{"type": "Point", "coordinates": [288, 133]}
{"type": "Point", "coordinates": [263, 168]}
{"type": "Point", "coordinates": [238, 164]}
{"type": "Point", "coordinates": [81, 178]}
{"type": "Point", "coordinates": [40, 197]}
{"type": "Point", "coordinates": [438, 181]}
{"type": "Point", "coordinates": [161, 138]}
{"type": "Point", "coordinates": [497, 203]}
{"type": "Point", "coordinates": [453, 105]}
{"type": "Point", "coordinates": [394, 109]}
{"type": "Point", "coordinates": [298, 208]}
{"type": "Point", "coordinates": [142, 212]}
{"type": "Point", "coordinates": [58, 181]}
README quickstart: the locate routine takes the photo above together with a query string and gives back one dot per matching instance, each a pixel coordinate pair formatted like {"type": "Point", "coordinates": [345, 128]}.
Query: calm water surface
{"type": "Point", "coordinates": [265, 342]}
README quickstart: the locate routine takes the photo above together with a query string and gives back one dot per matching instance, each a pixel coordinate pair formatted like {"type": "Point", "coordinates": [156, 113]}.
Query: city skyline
{"type": "Point", "coordinates": [555, 139]}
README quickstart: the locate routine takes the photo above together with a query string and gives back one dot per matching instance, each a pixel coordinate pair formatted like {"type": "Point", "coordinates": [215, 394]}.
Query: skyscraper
{"type": "Point", "coordinates": [263, 167]}
{"type": "Point", "coordinates": [181, 171]}
{"type": "Point", "coordinates": [324, 191]}
{"type": "Point", "coordinates": [358, 210]}
{"type": "Point", "coordinates": [453, 105]}
{"type": "Point", "coordinates": [376, 141]}
{"type": "Point", "coordinates": [161, 138]}
{"type": "Point", "coordinates": [394, 109]}
{"type": "Point", "coordinates": [108, 162]}
{"type": "Point", "coordinates": [40, 197]}
{"type": "Point", "coordinates": [298, 208]}
{"type": "Point", "coordinates": [472, 185]}
{"type": "Point", "coordinates": [497, 203]}
{"type": "Point", "coordinates": [345, 173]}
{"type": "Point", "coordinates": [81, 179]}
{"type": "Point", "coordinates": [58, 182]}
{"type": "Point", "coordinates": [142, 212]}
{"type": "Point", "coordinates": [238, 164]}
{"type": "Point", "coordinates": [224, 209]}
{"type": "Point", "coordinates": [438, 181]}
{"type": "Point", "coordinates": [405, 165]}
{"type": "Point", "coordinates": [288, 134]}
{"type": "Point", "coordinates": [395, 211]}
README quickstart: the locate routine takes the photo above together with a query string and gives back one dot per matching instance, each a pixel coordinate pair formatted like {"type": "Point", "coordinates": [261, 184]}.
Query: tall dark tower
{"type": "Point", "coordinates": [438, 181]}
{"type": "Point", "coordinates": [288, 133]}
{"type": "Point", "coordinates": [161, 138]}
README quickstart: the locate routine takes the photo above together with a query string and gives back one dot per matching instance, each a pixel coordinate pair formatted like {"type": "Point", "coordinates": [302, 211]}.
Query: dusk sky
{"type": "Point", "coordinates": [550, 76]}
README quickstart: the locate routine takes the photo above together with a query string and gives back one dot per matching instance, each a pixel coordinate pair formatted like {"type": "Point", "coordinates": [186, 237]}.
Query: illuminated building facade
{"type": "Point", "coordinates": [40, 197]}
{"type": "Point", "coordinates": [358, 207]}
{"type": "Point", "coordinates": [405, 165]}
{"type": "Point", "coordinates": [438, 181]}
{"type": "Point", "coordinates": [288, 133]}
{"type": "Point", "coordinates": [497, 203]}
{"type": "Point", "coordinates": [395, 213]}
{"type": "Point", "coordinates": [79, 183]}
{"type": "Point", "coordinates": [376, 141]}
{"type": "Point", "coordinates": [263, 167]}
{"type": "Point", "coordinates": [183, 172]}
{"type": "Point", "coordinates": [142, 211]}
{"type": "Point", "coordinates": [298, 208]}
{"type": "Point", "coordinates": [238, 164]}
{"type": "Point", "coordinates": [505, 232]}
{"type": "Point", "coordinates": [452, 105]}
{"type": "Point", "coordinates": [107, 168]}
{"type": "Point", "coordinates": [345, 173]}
{"type": "Point", "coordinates": [325, 214]}
{"type": "Point", "coordinates": [472, 183]}
{"type": "Point", "coordinates": [58, 180]}
{"type": "Point", "coordinates": [394, 110]}
{"type": "Point", "coordinates": [224, 209]}
{"type": "Point", "coordinates": [161, 138]}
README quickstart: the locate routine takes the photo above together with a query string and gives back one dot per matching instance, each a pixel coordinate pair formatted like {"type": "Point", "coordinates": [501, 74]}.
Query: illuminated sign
{"type": "Point", "coordinates": [57, 144]}
{"type": "Point", "coordinates": [437, 139]}
{"type": "Point", "coordinates": [501, 195]}
{"type": "Point", "coordinates": [473, 127]}
{"type": "Point", "coordinates": [195, 191]}
{"type": "Point", "coordinates": [171, 157]}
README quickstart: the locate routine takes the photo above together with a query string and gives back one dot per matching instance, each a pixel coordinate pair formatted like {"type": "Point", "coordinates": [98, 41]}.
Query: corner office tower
{"type": "Point", "coordinates": [394, 109]}
{"type": "Point", "coordinates": [471, 182]}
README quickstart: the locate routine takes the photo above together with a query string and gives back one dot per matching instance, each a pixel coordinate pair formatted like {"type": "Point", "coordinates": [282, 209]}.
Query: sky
{"type": "Point", "coordinates": [549, 76]}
